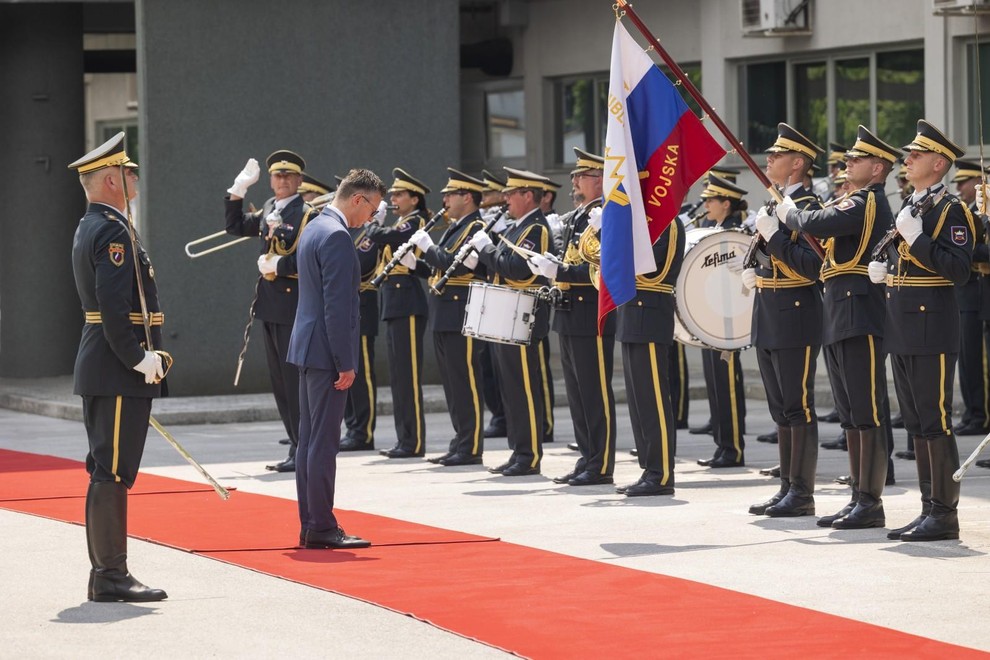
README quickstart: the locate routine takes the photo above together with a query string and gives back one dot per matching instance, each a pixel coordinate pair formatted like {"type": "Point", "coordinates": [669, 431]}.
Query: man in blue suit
{"type": "Point", "coordinates": [324, 345]}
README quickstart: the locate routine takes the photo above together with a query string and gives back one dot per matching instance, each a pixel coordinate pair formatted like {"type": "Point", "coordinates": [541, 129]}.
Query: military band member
{"type": "Point", "coordinates": [116, 372]}
{"type": "Point", "coordinates": [922, 329]}
{"type": "Point", "coordinates": [787, 327]}
{"type": "Point", "coordinates": [403, 303]}
{"type": "Point", "coordinates": [853, 331]}
{"type": "Point", "coordinates": [279, 224]}
{"type": "Point", "coordinates": [547, 202]}
{"type": "Point", "coordinates": [492, 205]}
{"type": "Point", "coordinates": [586, 357]}
{"type": "Point", "coordinates": [723, 377]}
{"type": "Point", "coordinates": [518, 367]}
{"type": "Point", "coordinates": [311, 188]}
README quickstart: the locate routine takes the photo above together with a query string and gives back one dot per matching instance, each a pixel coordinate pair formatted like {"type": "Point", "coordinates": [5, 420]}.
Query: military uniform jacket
{"type": "Point", "coordinates": [649, 317]}
{"type": "Point", "coordinates": [402, 293]}
{"type": "Point", "coordinates": [510, 269]}
{"type": "Point", "coordinates": [447, 308]}
{"type": "Point", "coordinates": [103, 266]}
{"type": "Point", "coordinates": [277, 299]}
{"type": "Point", "coordinates": [922, 313]}
{"type": "Point", "coordinates": [787, 311]}
{"type": "Point", "coordinates": [981, 262]}
{"type": "Point", "coordinates": [578, 313]}
{"type": "Point", "coordinates": [853, 305]}
{"type": "Point", "coordinates": [968, 293]}
{"type": "Point", "coordinates": [368, 256]}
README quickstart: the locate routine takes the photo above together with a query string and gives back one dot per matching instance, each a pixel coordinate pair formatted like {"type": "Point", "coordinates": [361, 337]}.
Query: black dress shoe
{"type": "Point", "coordinates": [705, 462]}
{"type": "Point", "coordinates": [838, 443]}
{"type": "Point", "coordinates": [441, 458]}
{"type": "Point", "coordinates": [907, 455]}
{"type": "Point", "coordinates": [284, 441]}
{"type": "Point", "coordinates": [353, 444]}
{"type": "Point", "coordinates": [501, 468]}
{"type": "Point", "coordinates": [587, 478]}
{"type": "Point", "coordinates": [460, 459]}
{"type": "Point", "coordinates": [520, 470]}
{"type": "Point", "coordinates": [724, 461]}
{"type": "Point", "coordinates": [288, 465]}
{"type": "Point", "coordinates": [701, 430]}
{"type": "Point", "coordinates": [648, 485]}
{"type": "Point", "coordinates": [622, 489]}
{"type": "Point", "coordinates": [495, 431]}
{"type": "Point", "coordinates": [897, 422]}
{"type": "Point", "coordinates": [972, 428]}
{"type": "Point", "coordinates": [634, 452]}
{"type": "Point", "coordinates": [771, 472]}
{"type": "Point", "coordinates": [573, 446]}
{"type": "Point", "coordinates": [399, 452]}
{"type": "Point", "coordinates": [983, 463]}
{"type": "Point", "coordinates": [116, 586]}
{"type": "Point", "coordinates": [830, 418]}
{"type": "Point", "coordinates": [567, 477]}
{"type": "Point", "coordinates": [844, 480]}
{"type": "Point", "coordinates": [768, 437]}
{"type": "Point", "coordinates": [334, 538]}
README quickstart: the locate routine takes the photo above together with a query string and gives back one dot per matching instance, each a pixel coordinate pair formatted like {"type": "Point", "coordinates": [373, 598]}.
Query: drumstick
{"type": "Point", "coordinates": [958, 474]}
{"type": "Point", "coordinates": [520, 250]}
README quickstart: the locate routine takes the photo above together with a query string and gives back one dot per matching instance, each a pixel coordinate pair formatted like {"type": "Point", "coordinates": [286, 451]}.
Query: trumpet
{"type": "Point", "coordinates": [215, 248]}
{"type": "Point", "coordinates": [403, 249]}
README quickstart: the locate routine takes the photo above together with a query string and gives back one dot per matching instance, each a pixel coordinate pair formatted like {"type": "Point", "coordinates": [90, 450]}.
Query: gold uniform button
{"type": "Point", "coordinates": [397, 285]}
{"type": "Point", "coordinates": [922, 308]}
{"type": "Point", "coordinates": [849, 293]}
{"type": "Point", "coordinates": [797, 303]}
{"type": "Point", "coordinates": [639, 302]}
{"type": "Point", "coordinates": [288, 290]}
{"type": "Point", "coordinates": [455, 297]}
{"type": "Point", "coordinates": [888, 294]}
{"type": "Point", "coordinates": [580, 298]}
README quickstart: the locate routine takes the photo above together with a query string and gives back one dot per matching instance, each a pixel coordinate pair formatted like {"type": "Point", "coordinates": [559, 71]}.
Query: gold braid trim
{"type": "Point", "coordinates": [830, 268]}
{"type": "Point", "coordinates": [644, 283]}
{"type": "Point", "coordinates": [528, 282]}
{"type": "Point", "coordinates": [283, 251]}
{"type": "Point", "coordinates": [904, 250]}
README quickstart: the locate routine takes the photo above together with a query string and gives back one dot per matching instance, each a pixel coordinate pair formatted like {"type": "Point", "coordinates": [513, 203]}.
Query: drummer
{"type": "Point", "coordinates": [725, 207]}
{"type": "Point", "coordinates": [518, 366]}
{"type": "Point", "coordinates": [787, 326]}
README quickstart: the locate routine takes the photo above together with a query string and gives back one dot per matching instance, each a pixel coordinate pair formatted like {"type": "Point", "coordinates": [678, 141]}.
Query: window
{"type": "Point", "coordinates": [766, 103]}
{"type": "Point", "coordinates": [107, 128]}
{"type": "Point", "coordinates": [976, 118]}
{"type": "Point", "coordinates": [505, 123]}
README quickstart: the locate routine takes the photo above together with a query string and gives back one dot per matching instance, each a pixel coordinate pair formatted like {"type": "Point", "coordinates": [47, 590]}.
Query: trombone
{"type": "Point", "coordinates": [215, 248]}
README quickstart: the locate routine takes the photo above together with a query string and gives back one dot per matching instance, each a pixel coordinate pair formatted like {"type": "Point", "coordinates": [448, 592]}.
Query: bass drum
{"type": "Point", "coordinates": [714, 308]}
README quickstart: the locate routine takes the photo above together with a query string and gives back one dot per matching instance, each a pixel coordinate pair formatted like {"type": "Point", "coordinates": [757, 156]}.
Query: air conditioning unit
{"type": "Point", "coordinates": [775, 18]}
{"type": "Point", "coordinates": [960, 7]}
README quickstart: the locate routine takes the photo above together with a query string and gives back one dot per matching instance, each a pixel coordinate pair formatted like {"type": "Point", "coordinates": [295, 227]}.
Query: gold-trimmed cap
{"type": "Point", "coordinates": [719, 187]}
{"type": "Point", "coordinates": [930, 138]}
{"type": "Point", "coordinates": [840, 178]}
{"type": "Point", "coordinates": [867, 144]}
{"type": "Point", "coordinates": [309, 184]}
{"type": "Point", "coordinates": [730, 174]}
{"type": "Point", "coordinates": [525, 179]}
{"type": "Point", "coordinates": [902, 170]}
{"type": "Point", "coordinates": [457, 181]}
{"type": "Point", "coordinates": [284, 160]}
{"type": "Point", "coordinates": [587, 161]}
{"type": "Point", "coordinates": [109, 154]}
{"type": "Point", "coordinates": [790, 139]}
{"type": "Point", "coordinates": [406, 181]}
{"type": "Point", "coordinates": [551, 186]}
{"type": "Point", "coordinates": [967, 169]}
{"type": "Point", "coordinates": [492, 182]}
{"type": "Point", "coordinates": [836, 154]}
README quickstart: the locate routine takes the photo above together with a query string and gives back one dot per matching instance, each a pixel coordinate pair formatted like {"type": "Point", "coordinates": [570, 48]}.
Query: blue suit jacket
{"type": "Point", "coordinates": [327, 331]}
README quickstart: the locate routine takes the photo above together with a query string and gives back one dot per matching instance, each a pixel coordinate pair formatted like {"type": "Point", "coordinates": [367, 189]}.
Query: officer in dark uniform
{"type": "Point", "coordinates": [787, 327]}
{"type": "Point", "coordinates": [547, 201]}
{"type": "Point", "coordinates": [116, 372]}
{"type": "Point", "coordinates": [585, 356]}
{"type": "Point", "coordinates": [459, 356]}
{"type": "Point", "coordinates": [519, 366]}
{"type": "Point", "coordinates": [933, 252]}
{"type": "Point", "coordinates": [981, 257]}
{"type": "Point", "coordinates": [723, 377]}
{"type": "Point", "coordinates": [492, 206]}
{"type": "Point", "coordinates": [279, 224]}
{"type": "Point", "coordinates": [311, 188]}
{"type": "Point", "coordinates": [854, 321]}
{"type": "Point", "coordinates": [973, 368]}
{"type": "Point", "coordinates": [403, 304]}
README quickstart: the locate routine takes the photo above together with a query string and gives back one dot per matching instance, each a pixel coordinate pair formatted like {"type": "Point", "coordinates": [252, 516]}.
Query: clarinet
{"type": "Point", "coordinates": [403, 250]}
{"type": "Point", "coordinates": [466, 250]}
{"type": "Point", "coordinates": [921, 207]}
{"type": "Point", "coordinates": [749, 258]}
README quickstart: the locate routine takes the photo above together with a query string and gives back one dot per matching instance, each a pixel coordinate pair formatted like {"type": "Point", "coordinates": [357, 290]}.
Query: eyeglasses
{"type": "Point", "coordinates": [365, 198]}
{"type": "Point", "coordinates": [578, 175]}
{"type": "Point", "coordinates": [459, 193]}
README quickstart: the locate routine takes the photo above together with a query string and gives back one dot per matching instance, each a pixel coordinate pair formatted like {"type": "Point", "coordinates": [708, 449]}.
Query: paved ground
{"type": "Point", "coordinates": [703, 533]}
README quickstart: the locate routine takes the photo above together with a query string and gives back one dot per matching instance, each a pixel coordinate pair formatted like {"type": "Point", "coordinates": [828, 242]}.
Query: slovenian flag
{"type": "Point", "coordinates": [655, 149]}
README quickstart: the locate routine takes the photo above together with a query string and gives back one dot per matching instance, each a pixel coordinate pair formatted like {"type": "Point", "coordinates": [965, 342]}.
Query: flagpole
{"type": "Point", "coordinates": [624, 8]}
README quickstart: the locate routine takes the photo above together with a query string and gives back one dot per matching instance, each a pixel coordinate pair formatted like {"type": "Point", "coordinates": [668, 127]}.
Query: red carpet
{"type": "Point", "coordinates": [531, 602]}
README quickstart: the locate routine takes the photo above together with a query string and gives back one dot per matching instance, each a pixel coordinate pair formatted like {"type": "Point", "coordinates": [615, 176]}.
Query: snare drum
{"type": "Point", "coordinates": [714, 308]}
{"type": "Point", "coordinates": [499, 314]}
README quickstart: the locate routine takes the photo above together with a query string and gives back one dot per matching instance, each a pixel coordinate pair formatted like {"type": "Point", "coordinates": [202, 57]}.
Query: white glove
{"type": "Point", "coordinates": [421, 239]}
{"type": "Point", "coordinates": [735, 264]}
{"type": "Point", "coordinates": [547, 268]}
{"type": "Point", "coordinates": [766, 225]}
{"type": "Point", "coordinates": [500, 225]}
{"type": "Point", "coordinates": [877, 271]}
{"type": "Point", "coordinates": [480, 240]}
{"type": "Point", "coordinates": [554, 221]}
{"type": "Point", "coordinates": [908, 226]}
{"type": "Point", "coordinates": [268, 264]}
{"type": "Point", "coordinates": [151, 366]}
{"type": "Point", "coordinates": [409, 260]}
{"type": "Point", "coordinates": [471, 261]}
{"type": "Point", "coordinates": [595, 218]}
{"type": "Point", "coordinates": [247, 178]}
{"type": "Point", "coordinates": [533, 267]}
{"type": "Point", "coordinates": [783, 207]}
{"type": "Point", "coordinates": [379, 216]}
{"type": "Point", "coordinates": [749, 278]}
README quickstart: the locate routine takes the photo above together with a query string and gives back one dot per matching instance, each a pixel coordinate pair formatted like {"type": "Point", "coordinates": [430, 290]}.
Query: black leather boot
{"type": "Point", "coordinates": [854, 445]}
{"type": "Point", "coordinates": [106, 534]}
{"type": "Point", "coordinates": [784, 450]}
{"type": "Point", "coordinates": [872, 475]}
{"type": "Point", "coordinates": [942, 521]}
{"type": "Point", "coordinates": [924, 484]}
{"type": "Point", "coordinates": [800, 499]}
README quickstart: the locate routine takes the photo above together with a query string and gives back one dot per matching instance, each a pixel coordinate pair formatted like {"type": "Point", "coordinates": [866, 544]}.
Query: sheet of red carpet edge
{"type": "Point", "coordinates": [505, 595]}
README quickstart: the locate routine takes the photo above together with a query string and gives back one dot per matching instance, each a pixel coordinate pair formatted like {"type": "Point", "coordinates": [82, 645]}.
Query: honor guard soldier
{"type": "Point", "coordinates": [459, 356]}
{"type": "Point", "coordinates": [279, 224]}
{"type": "Point", "coordinates": [403, 304]}
{"type": "Point", "coordinates": [518, 366]}
{"type": "Point", "coordinates": [117, 373]}
{"type": "Point", "coordinates": [492, 206]}
{"type": "Point", "coordinates": [311, 188]}
{"type": "Point", "coordinates": [787, 326]}
{"type": "Point", "coordinates": [360, 414]}
{"type": "Point", "coordinates": [725, 206]}
{"type": "Point", "coordinates": [932, 252]}
{"type": "Point", "coordinates": [585, 356]}
{"type": "Point", "coordinates": [973, 371]}
{"type": "Point", "coordinates": [547, 201]}
{"type": "Point", "coordinates": [853, 331]}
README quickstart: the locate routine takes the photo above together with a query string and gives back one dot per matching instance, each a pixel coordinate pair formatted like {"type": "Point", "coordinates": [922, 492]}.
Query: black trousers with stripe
{"type": "Point", "coordinates": [284, 378]}
{"type": "Point", "coordinates": [117, 427]}
{"type": "Point", "coordinates": [459, 359]}
{"type": "Point", "coordinates": [726, 401]}
{"type": "Point", "coordinates": [789, 380]}
{"type": "Point", "coordinates": [404, 338]}
{"type": "Point", "coordinates": [493, 396]}
{"type": "Point", "coordinates": [587, 364]}
{"type": "Point", "coordinates": [974, 376]}
{"type": "Point", "coordinates": [360, 415]}
{"type": "Point", "coordinates": [519, 376]}
{"type": "Point", "coordinates": [645, 367]}
{"type": "Point", "coordinates": [677, 374]}
{"type": "Point", "coordinates": [546, 388]}
{"type": "Point", "coordinates": [924, 391]}
{"type": "Point", "coordinates": [857, 371]}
